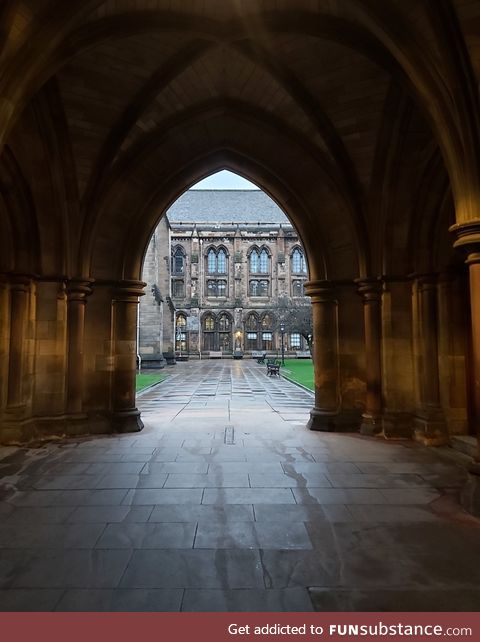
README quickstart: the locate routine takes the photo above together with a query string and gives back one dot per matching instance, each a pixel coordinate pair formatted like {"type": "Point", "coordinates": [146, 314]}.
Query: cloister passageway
{"type": "Point", "coordinates": [225, 501]}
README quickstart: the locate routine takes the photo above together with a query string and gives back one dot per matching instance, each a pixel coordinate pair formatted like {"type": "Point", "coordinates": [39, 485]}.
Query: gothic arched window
{"type": "Point", "coordinates": [178, 261]}
{"type": "Point", "coordinates": [224, 323]}
{"type": "Point", "coordinates": [211, 261]}
{"type": "Point", "coordinates": [299, 265]}
{"type": "Point", "coordinates": [252, 322]}
{"type": "Point", "coordinates": [209, 323]}
{"type": "Point", "coordinates": [263, 262]}
{"type": "Point", "coordinates": [267, 322]}
{"type": "Point", "coordinates": [254, 262]}
{"type": "Point", "coordinates": [222, 262]}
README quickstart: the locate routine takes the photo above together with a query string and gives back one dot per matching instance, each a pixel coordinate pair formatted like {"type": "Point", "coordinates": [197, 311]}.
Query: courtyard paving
{"type": "Point", "coordinates": [225, 501]}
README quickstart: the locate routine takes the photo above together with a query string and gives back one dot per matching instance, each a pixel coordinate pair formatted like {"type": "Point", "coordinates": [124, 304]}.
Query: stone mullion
{"type": "Point", "coordinates": [325, 356]}
{"type": "Point", "coordinates": [371, 292]}
{"type": "Point", "coordinates": [126, 417]}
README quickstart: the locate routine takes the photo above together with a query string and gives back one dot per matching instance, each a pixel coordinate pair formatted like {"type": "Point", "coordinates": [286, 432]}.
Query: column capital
{"type": "Point", "coordinates": [426, 281]}
{"type": "Point", "coordinates": [370, 288]}
{"type": "Point", "coordinates": [320, 291]}
{"type": "Point", "coordinates": [19, 282]}
{"type": "Point", "coordinates": [128, 290]}
{"type": "Point", "coordinates": [78, 289]}
{"type": "Point", "coordinates": [468, 239]}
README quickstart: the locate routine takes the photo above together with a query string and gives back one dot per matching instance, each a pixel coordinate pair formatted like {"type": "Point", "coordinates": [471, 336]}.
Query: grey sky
{"type": "Point", "coordinates": [224, 180]}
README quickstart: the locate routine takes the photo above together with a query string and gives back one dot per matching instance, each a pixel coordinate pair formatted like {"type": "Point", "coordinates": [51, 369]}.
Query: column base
{"type": "Point", "coordinates": [127, 421]}
{"type": "Point", "coordinates": [470, 494]}
{"type": "Point", "coordinates": [325, 421]}
{"type": "Point", "coordinates": [431, 431]}
{"type": "Point", "coordinates": [397, 425]}
{"type": "Point", "coordinates": [371, 425]}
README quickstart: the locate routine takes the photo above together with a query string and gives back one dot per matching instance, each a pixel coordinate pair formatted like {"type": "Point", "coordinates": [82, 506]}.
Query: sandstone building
{"type": "Point", "coordinates": [223, 269]}
{"type": "Point", "coordinates": [359, 117]}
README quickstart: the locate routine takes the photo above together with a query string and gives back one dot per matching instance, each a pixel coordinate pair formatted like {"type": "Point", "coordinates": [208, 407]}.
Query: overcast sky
{"type": "Point", "coordinates": [224, 180]}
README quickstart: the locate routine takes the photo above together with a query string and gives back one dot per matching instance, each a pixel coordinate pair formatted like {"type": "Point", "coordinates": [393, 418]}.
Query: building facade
{"type": "Point", "coordinates": [223, 268]}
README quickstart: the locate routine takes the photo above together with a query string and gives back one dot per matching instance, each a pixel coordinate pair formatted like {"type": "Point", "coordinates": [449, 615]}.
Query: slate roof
{"type": "Point", "coordinates": [225, 206]}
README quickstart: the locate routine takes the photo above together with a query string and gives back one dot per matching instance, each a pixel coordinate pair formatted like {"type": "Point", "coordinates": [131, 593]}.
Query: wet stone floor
{"type": "Point", "coordinates": [225, 501]}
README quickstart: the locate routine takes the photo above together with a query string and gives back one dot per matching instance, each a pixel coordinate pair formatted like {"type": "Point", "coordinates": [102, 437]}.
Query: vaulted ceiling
{"type": "Point", "coordinates": [360, 117]}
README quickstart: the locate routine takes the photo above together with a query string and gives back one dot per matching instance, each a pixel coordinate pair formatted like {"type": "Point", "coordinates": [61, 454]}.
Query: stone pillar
{"type": "Point", "coordinates": [325, 356]}
{"type": "Point", "coordinates": [77, 292]}
{"type": "Point", "coordinates": [19, 295]}
{"type": "Point", "coordinates": [4, 340]}
{"type": "Point", "coordinates": [430, 424]}
{"type": "Point", "coordinates": [371, 292]}
{"type": "Point", "coordinates": [126, 417]}
{"type": "Point", "coordinates": [452, 346]}
{"type": "Point", "coordinates": [468, 239]}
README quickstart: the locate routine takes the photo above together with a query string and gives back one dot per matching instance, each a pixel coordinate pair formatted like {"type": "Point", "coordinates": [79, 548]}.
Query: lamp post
{"type": "Point", "coordinates": [282, 332]}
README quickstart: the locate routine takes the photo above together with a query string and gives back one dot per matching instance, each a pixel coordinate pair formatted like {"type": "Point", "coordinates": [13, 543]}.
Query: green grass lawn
{"type": "Point", "coordinates": [300, 371]}
{"type": "Point", "coordinates": [145, 380]}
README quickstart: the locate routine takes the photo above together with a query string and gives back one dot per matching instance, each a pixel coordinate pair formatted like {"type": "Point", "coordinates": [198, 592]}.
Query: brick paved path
{"type": "Point", "coordinates": [226, 502]}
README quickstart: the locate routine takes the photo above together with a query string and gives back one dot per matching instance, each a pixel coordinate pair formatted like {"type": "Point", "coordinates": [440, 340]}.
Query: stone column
{"type": "Point", "coordinates": [4, 340]}
{"type": "Point", "coordinates": [19, 295]}
{"type": "Point", "coordinates": [126, 417]}
{"type": "Point", "coordinates": [468, 239]}
{"type": "Point", "coordinates": [371, 292]}
{"type": "Point", "coordinates": [430, 424]}
{"type": "Point", "coordinates": [452, 340]}
{"type": "Point", "coordinates": [77, 292]}
{"type": "Point", "coordinates": [325, 356]}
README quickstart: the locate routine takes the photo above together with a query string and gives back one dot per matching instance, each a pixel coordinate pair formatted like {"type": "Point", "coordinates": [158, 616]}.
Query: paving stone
{"type": "Point", "coordinates": [264, 535]}
{"type": "Point", "coordinates": [148, 496]}
{"type": "Point", "coordinates": [180, 519]}
{"type": "Point", "coordinates": [238, 480]}
{"type": "Point", "coordinates": [250, 601]}
{"type": "Point", "coordinates": [107, 514]}
{"type": "Point", "coordinates": [62, 568]}
{"type": "Point", "coordinates": [50, 535]}
{"type": "Point", "coordinates": [202, 513]}
{"type": "Point", "coordinates": [129, 600]}
{"type": "Point", "coordinates": [194, 569]}
{"type": "Point", "coordinates": [248, 496]}
{"type": "Point", "coordinates": [28, 600]}
{"type": "Point", "coordinates": [148, 535]}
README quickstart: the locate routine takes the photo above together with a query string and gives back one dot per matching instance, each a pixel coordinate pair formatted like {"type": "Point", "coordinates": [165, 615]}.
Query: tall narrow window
{"type": "Point", "coordinates": [251, 323]}
{"type": "Point", "coordinates": [299, 265]}
{"type": "Point", "coordinates": [211, 262]}
{"type": "Point", "coordinates": [224, 323]}
{"type": "Point", "coordinates": [181, 338]}
{"type": "Point", "coordinates": [267, 322]}
{"type": "Point", "coordinates": [263, 262]}
{"type": "Point", "coordinates": [209, 332]}
{"type": "Point", "coordinates": [254, 262]}
{"type": "Point", "coordinates": [209, 323]}
{"type": "Point", "coordinates": [178, 288]}
{"type": "Point", "coordinates": [212, 289]}
{"type": "Point", "coordinates": [221, 262]}
{"type": "Point", "coordinates": [221, 288]}
{"type": "Point", "coordinates": [253, 289]}
{"type": "Point", "coordinates": [178, 261]}
{"type": "Point", "coordinates": [263, 288]}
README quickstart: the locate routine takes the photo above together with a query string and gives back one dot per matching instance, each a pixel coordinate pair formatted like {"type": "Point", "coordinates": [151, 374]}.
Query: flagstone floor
{"type": "Point", "coordinates": [225, 501]}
